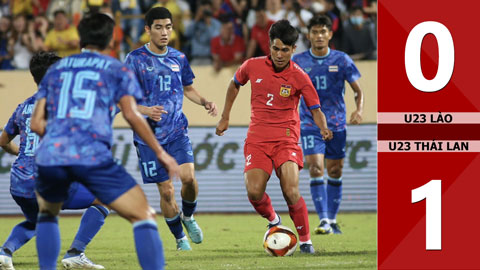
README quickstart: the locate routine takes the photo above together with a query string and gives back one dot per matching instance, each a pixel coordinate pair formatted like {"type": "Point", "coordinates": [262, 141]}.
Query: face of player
{"type": "Point", "coordinates": [281, 54]}
{"type": "Point", "coordinates": [160, 32]}
{"type": "Point", "coordinates": [319, 37]}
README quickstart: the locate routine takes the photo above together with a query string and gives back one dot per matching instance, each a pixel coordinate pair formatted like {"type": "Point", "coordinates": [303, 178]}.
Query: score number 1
{"type": "Point", "coordinates": [432, 192]}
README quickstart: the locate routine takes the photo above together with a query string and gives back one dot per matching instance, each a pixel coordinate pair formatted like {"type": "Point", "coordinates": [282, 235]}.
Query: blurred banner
{"type": "Point", "coordinates": [219, 165]}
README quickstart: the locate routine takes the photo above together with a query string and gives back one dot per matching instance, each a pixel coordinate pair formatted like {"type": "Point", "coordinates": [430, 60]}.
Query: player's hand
{"type": "Point", "coordinates": [222, 126]}
{"type": "Point", "coordinates": [327, 134]}
{"type": "Point", "coordinates": [356, 118]}
{"type": "Point", "coordinates": [170, 164]}
{"type": "Point", "coordinates": [212, 108]}
{"type": "Point", "coordinates": [155, 113]}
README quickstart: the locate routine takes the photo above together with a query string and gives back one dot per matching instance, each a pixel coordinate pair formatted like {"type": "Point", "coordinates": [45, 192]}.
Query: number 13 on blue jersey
{"type": "Point", "coordinates": [321, 82]}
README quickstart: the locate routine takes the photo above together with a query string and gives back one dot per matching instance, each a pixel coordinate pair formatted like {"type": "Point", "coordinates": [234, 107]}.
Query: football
{"type": "Point", "coordinates": [280, 241]}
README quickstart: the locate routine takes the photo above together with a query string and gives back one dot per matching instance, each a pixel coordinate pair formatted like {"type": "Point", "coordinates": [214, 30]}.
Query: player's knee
{"type": "Point", "coordinates": [143, 214]}
{"type": "Point", "coordinates": [315, 171]}
{"type": "Point", "coordinates": [188, 179]}
{"type": "Point", "coordinates": [254, 194]}
{"type": "Point", "coordinates": [335, 171]}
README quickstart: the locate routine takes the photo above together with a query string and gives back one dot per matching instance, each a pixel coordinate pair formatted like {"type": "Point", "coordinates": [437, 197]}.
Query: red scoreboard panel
{"type": "Point", "coordinates": [428, 134]}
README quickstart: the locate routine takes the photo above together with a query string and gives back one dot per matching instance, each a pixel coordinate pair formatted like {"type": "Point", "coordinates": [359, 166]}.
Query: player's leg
{"type": "Point", "coordinates": [51, 190]}
{"type": "Point", "coordinates": [189, 202]}
{"type": "Point", "coordinates": [113, 186]}
{"type": "Point", "coordinates": [92, 220]}
{"type": "Point", "coordinates": [313, 147]}
{"type": "Point", "coordinates": [334, 191]}
{"type": "Point", "coordinates": [21, 233]}
{"type": "Point", "coordinates": [181, 150]}
{"type": "Point", "coordinates": [258, 167]}
{"type": "Point", "coordinates": [172, 214]}
{"type": "Point", "coordinates": [153, 172]}
{"type": "Point", "coordinates": [334, 156]}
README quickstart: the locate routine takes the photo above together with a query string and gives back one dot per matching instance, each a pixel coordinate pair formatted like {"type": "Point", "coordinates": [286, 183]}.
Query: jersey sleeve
{"type": "Point", "coordinates": [351, 72]}
{"type": "Point", "coordinates": [309, 93]}
{"type": "Point", "coordinates": [11, 128]}
{"type": "Point", "coordinates": [187, 73]}
{"type": "Point", "coordinates": [241, 75]}
{"type": "Point", "coordinates": [42, 88]}
{"type": "Point", "coordinates": [127, 85]}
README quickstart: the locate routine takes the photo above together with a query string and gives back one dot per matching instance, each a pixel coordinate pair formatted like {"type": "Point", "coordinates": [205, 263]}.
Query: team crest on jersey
{"type": "Point", "coordinates": [333, 68]}
{"type": "Point", "coordinates": [285, 90]}
{"type": "Point", "coordinates": [175, 67]}
{"type": "Point", "coordinates": [308, 69]}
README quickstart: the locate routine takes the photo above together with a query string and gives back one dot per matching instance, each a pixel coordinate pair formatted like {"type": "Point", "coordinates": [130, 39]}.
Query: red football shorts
{"type": "Point", "coordinates": [267, 156]}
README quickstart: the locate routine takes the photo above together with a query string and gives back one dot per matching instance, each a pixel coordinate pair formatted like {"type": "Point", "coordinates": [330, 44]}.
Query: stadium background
{"type": "Point", "coordinates": [219, 160]}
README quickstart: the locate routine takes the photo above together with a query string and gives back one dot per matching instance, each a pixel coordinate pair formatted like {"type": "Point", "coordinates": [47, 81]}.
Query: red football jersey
{"type": "Point", "coordinates": [274, 100]}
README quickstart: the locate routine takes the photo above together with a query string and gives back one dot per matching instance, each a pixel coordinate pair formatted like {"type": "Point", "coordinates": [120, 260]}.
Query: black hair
{"type": "Point", "coordinates": [40, 63]}
{"type": "Point", "coordinates": [96, 30]}
{"type": "Point", "coordinates": [59, 11]}
{"type": "Point", "coordinates": [320, 20]}
{"type": "Point", "coordinates": [157, 13]}
{"type": "Point", "coordinates": [355, 8]}
{"type": "Point", "coordinates": [225, 18]}
{"type": "Point", "coordinates": [284, 31]}
{"type": "Point", "coordinates": [261, 6]}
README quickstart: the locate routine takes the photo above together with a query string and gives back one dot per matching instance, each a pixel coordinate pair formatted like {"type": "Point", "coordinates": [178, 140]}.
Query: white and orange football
{"type": "Point", "coordinates": [280, 241]}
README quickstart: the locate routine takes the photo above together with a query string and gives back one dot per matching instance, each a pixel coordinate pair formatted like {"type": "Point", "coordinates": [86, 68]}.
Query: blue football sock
{"type": "Point", "coordinates": [148, 244]}
{"type": "Point", "coordinates": [92, 220]}
{"type": "Point", "coordinates": [188, 207]}
{"type": "Point", "coordinates": [48, 241]}
{"type": "Point", "coordinates": [319, 196]}
{"type": "Point", "coordinates": [21, 234]}
{"type": "Point", "coordinates": [334, 194]}
{"type": "Point", "coordinates": [175, 226]}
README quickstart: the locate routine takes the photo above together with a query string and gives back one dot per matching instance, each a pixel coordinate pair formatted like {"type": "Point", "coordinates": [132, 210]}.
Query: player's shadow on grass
{"type": "Point", "coordinates": [348, 253]}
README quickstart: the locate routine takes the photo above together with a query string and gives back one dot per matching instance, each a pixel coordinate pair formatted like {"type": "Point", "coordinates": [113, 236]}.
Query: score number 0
{"type": "Point", "coordinates": [432, 191]}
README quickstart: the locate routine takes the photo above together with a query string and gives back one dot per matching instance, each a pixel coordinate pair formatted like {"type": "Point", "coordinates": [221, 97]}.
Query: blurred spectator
{"type": "Point", "coordinates": [234, 9]}
{"type": "Point", "coordinates": [117, 31]}
{"type": "Point", "coordinates": [40, 7]}
{"type": "Point", "coordinates": [21, 7]}
{"type": "Point", "coordinates": [227, 48]}
{"type": "Point", "coordinates": [5, 56]}
{"type": "Point", "coordinates": [63, 38]}
{"type": "Point", "coordinates": [359, 39]}
{"type": "Point", "coordinates": [201, 31]}
{"type": "Point", "coordinates": [20, 44]}
{"type": "Point", "coordinates": [274, 10]}
{"type": "Point", "coordinates": [298, 18]}
{"type": "Point", "coordinates": [4, 8]}
{"type": "Point", "coordinates": [132, 27]}
{"type": "Point", "coordinates": [259, 43]}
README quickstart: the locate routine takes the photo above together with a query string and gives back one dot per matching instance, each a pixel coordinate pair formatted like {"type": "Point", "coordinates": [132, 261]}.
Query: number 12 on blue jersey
{"type": "Point", "coordinates": [77, 93]}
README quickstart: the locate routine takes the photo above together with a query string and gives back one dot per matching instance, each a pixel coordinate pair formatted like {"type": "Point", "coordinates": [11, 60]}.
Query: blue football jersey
{"type": "Point", "coordinates": [328, 74]}
{"type": "Point", "coordinates": [22, 176]}
{"type": "Point", "coordinates": [81, 94]}
{"type": "Point", "coordinates": [162, 78]}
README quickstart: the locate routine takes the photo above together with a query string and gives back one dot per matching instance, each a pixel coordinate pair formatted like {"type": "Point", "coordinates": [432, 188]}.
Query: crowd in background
{"type": "Point", "coordinates": [210, 32]}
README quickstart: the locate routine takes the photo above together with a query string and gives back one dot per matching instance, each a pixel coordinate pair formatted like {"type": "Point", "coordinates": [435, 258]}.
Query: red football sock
{"type": "Point", "coordinates": [299, 214]}
{"type": "Point", "coordinates": [264, 207]}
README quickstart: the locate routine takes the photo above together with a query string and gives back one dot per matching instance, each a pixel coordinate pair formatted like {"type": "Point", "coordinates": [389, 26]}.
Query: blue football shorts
{"type": "Point", "coordinates": [152, 170]}
{"type": "Point", "coordinates": [106, 181]}
{"type": "Point", "coordinates": [312, 143]}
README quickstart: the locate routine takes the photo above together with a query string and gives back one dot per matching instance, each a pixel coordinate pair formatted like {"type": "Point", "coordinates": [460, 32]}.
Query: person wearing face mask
{"type": "Point", "coordinates": [359, 39]}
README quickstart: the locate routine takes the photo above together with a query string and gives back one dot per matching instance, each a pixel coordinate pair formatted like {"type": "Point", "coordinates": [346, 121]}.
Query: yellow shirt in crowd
{"type": "Point", "coordinates": [55, 41]}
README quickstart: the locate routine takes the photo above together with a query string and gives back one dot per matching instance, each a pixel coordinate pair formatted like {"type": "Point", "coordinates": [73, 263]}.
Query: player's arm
{"type": "Point", "coordinates": [153, 112]}
{"type": "Point", "coordinates": [356, 117]}
{"type": "Point", "coordinates": [191, 93]}
{"type": "Point", "coordinates": [38, 120]}
{"type": "Point", "coordinates": [232, 92]}
{"type": "Point", "coordinates": [321, 121]}
{"type": "Point", "coordinates": [128, 105]}
{"type": "Point", "coordinates": [7, 144]}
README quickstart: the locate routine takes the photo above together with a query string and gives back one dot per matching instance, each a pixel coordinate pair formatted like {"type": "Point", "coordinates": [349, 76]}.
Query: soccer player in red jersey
{"type": "Point", "coordinates": [272, 139]}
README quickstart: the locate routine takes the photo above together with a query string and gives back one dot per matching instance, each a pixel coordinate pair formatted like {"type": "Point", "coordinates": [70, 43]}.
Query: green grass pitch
{"type": "Point", "coordinates": [232, 241]}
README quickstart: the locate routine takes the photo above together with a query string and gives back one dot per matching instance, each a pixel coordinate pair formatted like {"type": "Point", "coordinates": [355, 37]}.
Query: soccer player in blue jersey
{"type": "Point", "coordinates": [165, 77]}
{"type": "Point", "coordinates": [328, 69]}
{"type": "Point", "coordinates": [22, 184]}
{"type": "Point", "coordinates": [75, 106]}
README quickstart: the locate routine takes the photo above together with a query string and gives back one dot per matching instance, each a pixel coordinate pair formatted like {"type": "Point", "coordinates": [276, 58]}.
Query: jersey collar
{"type": "Point", "coordinates": [319, 57]}
{"type": "Point", "coordinates": [269, 62]}
{"type": "Point", "coordinates": [156, 54]}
